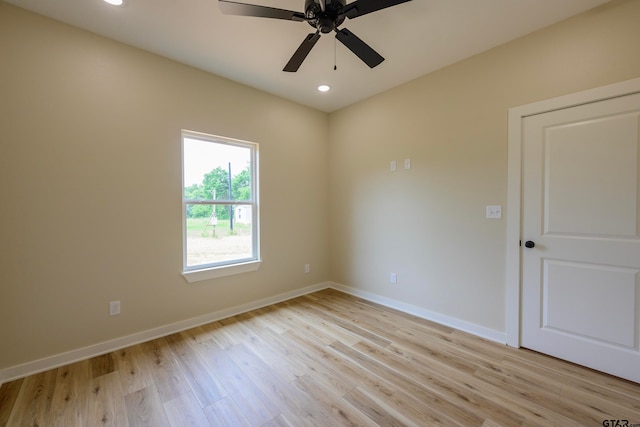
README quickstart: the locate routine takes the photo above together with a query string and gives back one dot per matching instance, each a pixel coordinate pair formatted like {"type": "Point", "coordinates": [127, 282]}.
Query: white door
{"type": "Point", "coordinates": [581, 203]}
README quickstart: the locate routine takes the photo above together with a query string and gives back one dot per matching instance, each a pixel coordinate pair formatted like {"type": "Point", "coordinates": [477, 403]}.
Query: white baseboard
{"type": "Point", "coordinates": [72, 356]}
{"type": "Point", "coordinates": [462, 325]}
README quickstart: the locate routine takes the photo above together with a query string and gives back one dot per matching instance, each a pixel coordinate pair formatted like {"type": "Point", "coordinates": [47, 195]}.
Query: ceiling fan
{"type": "Point", "coordinates": [325, 16]}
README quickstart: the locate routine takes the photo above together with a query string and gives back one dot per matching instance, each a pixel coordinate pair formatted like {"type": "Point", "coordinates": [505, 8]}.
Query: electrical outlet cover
{"type": "Point", "coordinates": [114, 308]}
{"type": "Point", "coordinates": [494, 212]}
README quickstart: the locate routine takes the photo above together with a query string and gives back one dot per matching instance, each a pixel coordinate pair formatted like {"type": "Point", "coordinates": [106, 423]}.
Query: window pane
{"type": "Point", "coordinates": [220, 202]}
{"type": "Point", "coordinates": [209, 167]}
{"type": "Point", "coordinates": [218, 233]}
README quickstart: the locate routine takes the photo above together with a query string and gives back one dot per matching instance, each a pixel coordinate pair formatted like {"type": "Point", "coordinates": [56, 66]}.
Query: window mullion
{"type": "Point", "coordinates": [218, 202]}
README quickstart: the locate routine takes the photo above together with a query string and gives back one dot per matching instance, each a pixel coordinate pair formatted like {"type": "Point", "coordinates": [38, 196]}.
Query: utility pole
{"type": "Point", "coordinates": [230, 198]}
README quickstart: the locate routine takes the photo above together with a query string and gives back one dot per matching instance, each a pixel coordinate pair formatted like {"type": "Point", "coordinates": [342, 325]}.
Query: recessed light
{"type": "Point", "coordinates": [115, 2]}
{"type": "Point", "coordinates": [324, 88]}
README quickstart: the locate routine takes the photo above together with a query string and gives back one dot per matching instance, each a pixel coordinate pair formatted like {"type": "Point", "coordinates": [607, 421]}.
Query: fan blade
{"type": "Point", "coordinates": [303, 50]}
{"type": "Point", "coordinates": [360, 48]}
{"type": "Point", "coordinates": [362, 7]}
{"type": "Point", "coordinates": [243, 9]}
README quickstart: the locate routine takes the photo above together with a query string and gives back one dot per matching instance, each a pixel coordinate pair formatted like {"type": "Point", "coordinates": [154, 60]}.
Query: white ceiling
{"type": "Point", "coordinates": [415, 38]}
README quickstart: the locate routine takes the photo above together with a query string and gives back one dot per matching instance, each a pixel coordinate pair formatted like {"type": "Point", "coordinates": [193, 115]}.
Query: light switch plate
{"type": "Point", "coordinates": [494, 212]}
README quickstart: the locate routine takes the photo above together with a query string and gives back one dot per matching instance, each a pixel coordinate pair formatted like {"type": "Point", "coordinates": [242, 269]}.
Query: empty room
{"type": "Point", "coordinates": [320, 213]}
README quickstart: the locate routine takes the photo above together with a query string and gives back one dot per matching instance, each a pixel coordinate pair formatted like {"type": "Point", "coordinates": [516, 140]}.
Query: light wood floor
{"type": "Point", "coordinates": [325, 359]}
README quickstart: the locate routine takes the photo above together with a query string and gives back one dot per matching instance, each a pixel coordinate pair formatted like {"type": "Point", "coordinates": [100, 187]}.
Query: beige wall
{"type": "Point", "coordinates": [90, 181]}
{"type": "Point", "coordinates": [428, 224]}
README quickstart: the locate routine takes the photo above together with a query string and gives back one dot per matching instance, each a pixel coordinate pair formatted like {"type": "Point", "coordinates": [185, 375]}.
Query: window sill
{"type": "Point", "coordinates": [227, 270]}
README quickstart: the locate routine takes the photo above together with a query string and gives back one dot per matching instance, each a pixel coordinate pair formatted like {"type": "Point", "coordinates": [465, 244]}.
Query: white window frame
{"type": "Point", "coordinates": [230, 267]}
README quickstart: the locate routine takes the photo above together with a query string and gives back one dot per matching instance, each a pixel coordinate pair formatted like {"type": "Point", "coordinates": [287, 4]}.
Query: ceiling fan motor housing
{"type": "Point", "coordinates": [327, 20]}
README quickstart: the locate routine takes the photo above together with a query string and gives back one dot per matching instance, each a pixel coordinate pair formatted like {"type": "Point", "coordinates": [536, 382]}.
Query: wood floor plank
{"type": "Point", "coordinates": [226, 413]}
{"type": "Point", "coordinates": [144, 409]}
{"type": "Point", "coordinates": [347, 325]}
{"type": "Point", "coordinates": [168, 377]}
{"type": "Point", "coordinates": [337, 411]}
{"type": "Point", "coordinates": [518, 404]}
{"type": "Point", "coordinates": [280, 392]}
{"type": "Point", "coordinates": [71, 393]}
{"type": "Point", "coordinates": [33, 404]}
{"type": "Point", "coordinates": [401, 395]}
{"type": "Point", "coordinates": [261, 319]}
{"type": "Point", "coordinates": [463, 396]}
{"type": "Point", "coordinates": [402, 375]}
{"type": "Point", "coordinates": [257, 406]}
{"type": "Point", "coordinates": [220, 362]}
{"type": "Point", "coordinates": [315, 365]}
{"type": "Point", "coordinates": [205, 385]}
{"type": "Point", "coordinates": [436, 351]}
{"type": "Point", "coordinates": [185, 411]}
{"type": "Point", "coordinates": [483, 397]}
{"type": "Point", "coordinates": [592, 408]}
{"type": "Point", "coordinates": [235, 330]}
{"type": "Point", "coordinates": [289, 369]}
{"type": "Point", "coordinates": [360, 316]}
{"type": "Point", "coordinates": [105, 403]}
{"type": "Point", "coordinates": [213, 331]}
{"type": "Point", "coordinates": [324, 359]}
{"type": "Point", "coordinates": [131, 370]}
{"type": "Point", "coordinates": [577, 378]}
{"type": "Point", "coordinates": [550, 398]}
{"type": "Point", "coordinates": [372, 409]}
{"type": "Point", "coordinates": [102, 365]}
{"type": "Point", "coordinates": [8, 396]}
{"type": "Point", "coordinates": [279, 421]}
{"type": "Point", "coordinates": [200, 333]}
{"type": "Point", "coordinates": [319, 328]}
{"type": "Point", "coordinates": [275, 322]}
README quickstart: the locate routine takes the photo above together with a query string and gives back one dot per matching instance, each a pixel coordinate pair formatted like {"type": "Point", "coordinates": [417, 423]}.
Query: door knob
{"type": "Point", "coordinates": [529, 244]}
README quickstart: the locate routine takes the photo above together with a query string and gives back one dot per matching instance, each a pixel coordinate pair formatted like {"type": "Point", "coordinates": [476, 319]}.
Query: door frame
{"type": "Point", "coordinates": [513, 274]}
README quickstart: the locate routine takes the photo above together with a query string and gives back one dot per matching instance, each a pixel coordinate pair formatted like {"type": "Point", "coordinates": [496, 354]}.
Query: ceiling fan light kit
{"type": "Point", "coordinates": [323, 15]}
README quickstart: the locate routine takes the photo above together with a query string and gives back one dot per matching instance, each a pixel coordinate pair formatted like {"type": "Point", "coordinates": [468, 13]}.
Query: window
{"type": "Point", "coordinates": [220, 206]}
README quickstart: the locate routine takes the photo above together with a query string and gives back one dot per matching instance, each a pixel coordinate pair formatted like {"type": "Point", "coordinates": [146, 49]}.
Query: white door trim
{"type": "Point", "coordinates": [514, 187]}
